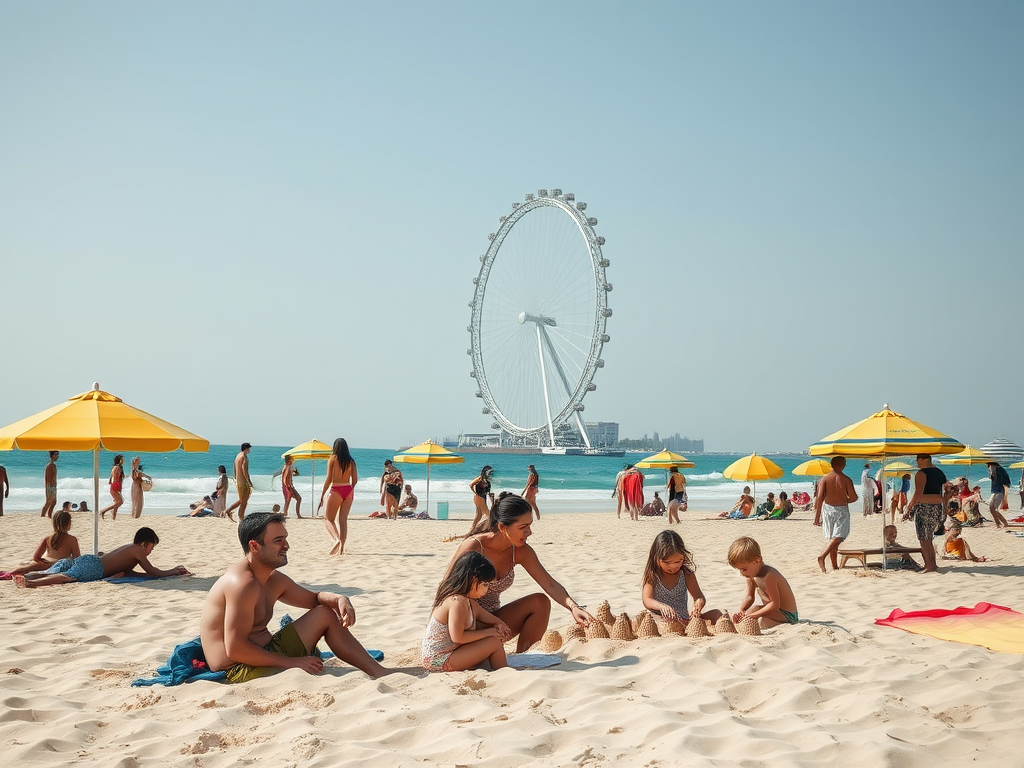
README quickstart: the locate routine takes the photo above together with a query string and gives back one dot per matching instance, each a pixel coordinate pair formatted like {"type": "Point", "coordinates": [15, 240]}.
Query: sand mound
{"type": "Point", "coordinates": [622, 630]}
{"type": "Point", "coordinates": [551, 641]}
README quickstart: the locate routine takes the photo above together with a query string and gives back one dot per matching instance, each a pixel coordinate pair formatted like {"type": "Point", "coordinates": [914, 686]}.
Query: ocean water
{"type": "Point", "coordinates": [567, 483]}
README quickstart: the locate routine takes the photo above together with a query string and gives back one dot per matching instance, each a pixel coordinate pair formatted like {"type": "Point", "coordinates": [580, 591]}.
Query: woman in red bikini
{"type": "Point", "coordinates": [116, 483]}
{"type": "Point", "coordinates": [341, 481]}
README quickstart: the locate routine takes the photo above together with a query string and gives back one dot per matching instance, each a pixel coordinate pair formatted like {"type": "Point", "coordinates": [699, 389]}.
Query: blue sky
{"type": "Point", "coordinates": [261, 220]}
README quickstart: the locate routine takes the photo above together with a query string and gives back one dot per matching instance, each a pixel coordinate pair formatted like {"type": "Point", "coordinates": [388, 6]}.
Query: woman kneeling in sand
{"type": "Point", "coordinates": [501, 538]}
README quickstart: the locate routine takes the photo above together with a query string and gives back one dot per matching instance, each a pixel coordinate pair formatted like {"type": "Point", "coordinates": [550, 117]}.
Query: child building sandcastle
{"type": "Point", "coordinates": [644, 625]}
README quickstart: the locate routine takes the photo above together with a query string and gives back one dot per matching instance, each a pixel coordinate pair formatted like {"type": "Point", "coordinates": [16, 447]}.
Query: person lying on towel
{"type": "Point", "coordinates": [118, 562]}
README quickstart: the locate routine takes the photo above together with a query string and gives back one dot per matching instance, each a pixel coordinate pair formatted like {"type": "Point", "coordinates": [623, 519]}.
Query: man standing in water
{"type": "Point", "coordinates": [832, 510]}
{"type": "Point", "coordinates": [243, 483]}
{"type": "Point", "coordinates": [50, 485]}
{"type": "Point", "coordinates": [530, 491]}
{"type": "Point", "coordinates": [233, 626]}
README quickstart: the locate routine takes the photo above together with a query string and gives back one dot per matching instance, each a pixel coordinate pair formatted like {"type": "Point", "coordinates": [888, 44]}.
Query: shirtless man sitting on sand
{"type": "Point", "coordinates": [233, 625]}
{"type": "Point", "coordinates": [832, 503]}
{"type": "Point", "coordinates": [117, 562]}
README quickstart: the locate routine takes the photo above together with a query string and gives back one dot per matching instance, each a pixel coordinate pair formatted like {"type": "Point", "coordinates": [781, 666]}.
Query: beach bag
{"type": "Point", "coordinates": [147, 484]}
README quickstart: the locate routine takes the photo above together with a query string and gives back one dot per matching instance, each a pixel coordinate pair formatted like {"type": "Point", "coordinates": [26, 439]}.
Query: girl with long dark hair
{"type": "Point", "coordinates": [341, 481]}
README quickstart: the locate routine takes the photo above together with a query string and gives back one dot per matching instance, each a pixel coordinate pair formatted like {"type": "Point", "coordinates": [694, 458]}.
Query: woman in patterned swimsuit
{"type": "Point", "coordinates": [452, 641]}
{"type": "Point", "coordinates": [501, 538]}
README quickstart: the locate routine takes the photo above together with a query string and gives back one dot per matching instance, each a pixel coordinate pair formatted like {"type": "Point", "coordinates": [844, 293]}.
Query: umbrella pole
{"type": "Point", "coordinates": [96, 500]}
{"type": "Point", "coordinates": [312, 485]}
{"type": "Point", "coordinates": [427, 505]}
{"type": "Point", "coordinates": [885, 560]}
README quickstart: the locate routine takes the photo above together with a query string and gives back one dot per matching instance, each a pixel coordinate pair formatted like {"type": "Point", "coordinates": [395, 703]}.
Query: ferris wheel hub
{"type": "Point", "coordinates": [538, 319]}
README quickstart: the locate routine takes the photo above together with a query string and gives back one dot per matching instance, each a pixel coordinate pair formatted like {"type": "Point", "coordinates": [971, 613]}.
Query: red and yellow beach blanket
{"type": "Point", "coordinates": [990, 626]}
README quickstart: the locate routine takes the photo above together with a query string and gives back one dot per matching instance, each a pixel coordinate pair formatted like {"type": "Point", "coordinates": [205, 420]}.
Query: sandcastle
{"type": "Point", "coordinates": [574, 632]}
{"type": "Point", "coordinates": [597, 630]}
{"type": "Point", "coordinates": [749, 626]}
{"type": "Point", "coordinates": [621, 629]}
{"type": "Point", "coordinates": [551, 641]}
{"type": "Point", "coordinates": [639, 618]}
{"type": "Point", "coordinates": [724, 626]}
{"type": "Point", "coordinates": [697, 628]}
{"type": "Point", "coordinates": [646, 626]}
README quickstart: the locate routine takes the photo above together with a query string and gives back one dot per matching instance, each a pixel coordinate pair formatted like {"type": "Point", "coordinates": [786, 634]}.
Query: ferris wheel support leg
{"type": "Point", "coordinates": [583, 430]}
{"type": "Point", "coordinates": [544, 383]}
{"type": "Point", "coordinates": [542, 332]}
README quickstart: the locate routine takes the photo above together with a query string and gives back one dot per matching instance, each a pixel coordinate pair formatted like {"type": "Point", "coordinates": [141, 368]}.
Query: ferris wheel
{"type": "Point", "coordinates": [539, 313]}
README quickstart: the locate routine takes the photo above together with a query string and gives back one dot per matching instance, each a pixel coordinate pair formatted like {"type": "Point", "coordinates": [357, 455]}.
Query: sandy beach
{"type": "Point", "coordinates": [833, 688]}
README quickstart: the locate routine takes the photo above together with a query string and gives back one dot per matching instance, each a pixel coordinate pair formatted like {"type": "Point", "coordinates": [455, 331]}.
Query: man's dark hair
{"type": "Point", "coordinates": [252, 527]}
{"type": "Point", "coordinates": [146, 536]}
{"type": "Point", "coordinates": [246, 445]}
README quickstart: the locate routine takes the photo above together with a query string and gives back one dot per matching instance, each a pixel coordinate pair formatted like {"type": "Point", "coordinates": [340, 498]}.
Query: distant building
{"type": "Point", "coordinates": [683, 444]}
{"type": "Point", "coordinates": [480, 440]}
{"type": "Point", "coordinates": [603, 434]}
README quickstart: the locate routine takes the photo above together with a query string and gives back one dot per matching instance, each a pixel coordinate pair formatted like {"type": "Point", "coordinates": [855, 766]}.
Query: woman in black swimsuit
{"type": "Point", "coordinates": [481, 486]}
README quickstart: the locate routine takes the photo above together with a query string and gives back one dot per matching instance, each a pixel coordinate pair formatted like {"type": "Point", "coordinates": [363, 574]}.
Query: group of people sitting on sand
{"type": "Point", "coordinates": [770, 509]}
{"type": "Point", "coordinates": [468, 625]}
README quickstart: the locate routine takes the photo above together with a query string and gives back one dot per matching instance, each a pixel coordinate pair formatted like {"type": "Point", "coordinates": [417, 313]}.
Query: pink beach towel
{"type": "Point", "coordinates": [990, 626]}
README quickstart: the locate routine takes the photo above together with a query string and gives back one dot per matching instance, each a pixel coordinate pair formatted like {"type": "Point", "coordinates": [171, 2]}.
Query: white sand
{"type": "Point", "coordinates": [834, 689]}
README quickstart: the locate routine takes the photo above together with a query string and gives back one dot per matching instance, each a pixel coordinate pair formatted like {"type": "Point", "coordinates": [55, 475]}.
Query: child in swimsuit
{"type": "Point", "coordinates": [958, 547]}
{"type": "Point", "coordinates": [452, 641]}
{"type": "Point", "coordinates": [778, 603]}
{"type": "Point", "coordinates": [669, 578]}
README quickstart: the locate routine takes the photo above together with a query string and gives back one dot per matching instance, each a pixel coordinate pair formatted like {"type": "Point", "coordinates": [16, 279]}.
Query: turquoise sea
{"type": "Point", "coordinates": [568, 483]}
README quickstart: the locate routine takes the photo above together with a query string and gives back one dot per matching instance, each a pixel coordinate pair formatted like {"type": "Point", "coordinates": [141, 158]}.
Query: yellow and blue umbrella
{"type": "Point", "coordinates": [94, 420]}
{"type": "Point", "coordinates": [311, 451]}
{"type": "Point", "coordinates": [664, 460]}
{"type": "Point", "coordinates": [969, 457]}
{"type": "Point", "coordinates": [884, 434]}
{"type": "Point", "coordinates": [428, 453]}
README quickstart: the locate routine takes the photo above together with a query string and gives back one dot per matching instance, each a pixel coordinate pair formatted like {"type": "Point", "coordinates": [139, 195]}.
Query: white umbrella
{"type": "Point", "coordinates": [1003, 451]}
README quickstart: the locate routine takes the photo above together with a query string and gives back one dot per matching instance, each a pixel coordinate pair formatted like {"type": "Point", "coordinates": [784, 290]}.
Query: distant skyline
{"type": "Point", "coordinates": [261, 221]}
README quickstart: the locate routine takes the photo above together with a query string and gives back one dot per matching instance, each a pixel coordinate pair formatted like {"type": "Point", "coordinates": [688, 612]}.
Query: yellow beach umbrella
{"type": "Point", "coordinates": [1017, 465]}
{"type": "Point", "coordinates": [664, 460]}
{"type": "Point", "coordinates": [428, 453]}
{"type": "Point", "coordinates": [752, 468]}
{"type": "Point", "coordinates": [311, 451]}
{"type": "Point", "coordinates": [884, 434]}
{"type": "Point", "coordinates": [94, 420]}
{"type": "Point", "coordinates": [814, 467]}
{"type": "Point", "coordinates": [967, 457]}
{"type": "Point", "coordinates": [899, 468]}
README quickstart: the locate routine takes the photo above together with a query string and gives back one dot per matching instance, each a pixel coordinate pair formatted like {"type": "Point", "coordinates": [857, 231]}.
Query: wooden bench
{"type": "Point", "coordinates": [862, 554]}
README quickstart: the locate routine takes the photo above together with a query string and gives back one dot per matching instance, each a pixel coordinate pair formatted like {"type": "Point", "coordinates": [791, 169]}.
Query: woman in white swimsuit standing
{"type": "Point", "coordinates": [501, 537]}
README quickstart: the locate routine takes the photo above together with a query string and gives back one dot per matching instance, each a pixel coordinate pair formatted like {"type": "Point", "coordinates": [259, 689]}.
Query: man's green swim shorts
{"type": "Point", "coordinates": [285, 642]}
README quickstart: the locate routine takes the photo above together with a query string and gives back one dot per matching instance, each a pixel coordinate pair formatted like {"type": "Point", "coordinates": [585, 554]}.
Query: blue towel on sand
{"type": "Point", "coordinates": [187, 663]}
